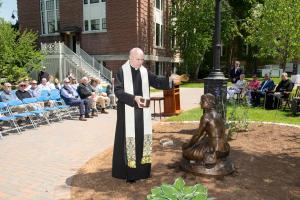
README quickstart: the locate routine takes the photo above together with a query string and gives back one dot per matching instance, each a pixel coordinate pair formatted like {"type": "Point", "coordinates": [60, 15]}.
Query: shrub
{"type": "Point", "coordinates": [179, 191]}
{"type": "Point", "coordinates": [238, 120]}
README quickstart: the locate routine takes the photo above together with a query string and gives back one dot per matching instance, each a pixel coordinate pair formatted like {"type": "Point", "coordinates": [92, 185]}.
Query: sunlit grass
{"type": "Point", "coordinates": [255, 114]}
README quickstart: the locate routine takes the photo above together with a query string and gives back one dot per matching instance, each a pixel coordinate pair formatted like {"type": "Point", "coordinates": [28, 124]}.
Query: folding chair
{"type": "Point", "coordinates": [44, 93]}
{"type": "Point", "coordinates": [59, 102]}
{"type": "Point", "coordinates": [36, 108]}
{"type": "Point", "coordinates": [13, 104]}
{"type": "Point", "coordinates": [51, 110]}
{"type": "Point", "coordinates": [5, 117]}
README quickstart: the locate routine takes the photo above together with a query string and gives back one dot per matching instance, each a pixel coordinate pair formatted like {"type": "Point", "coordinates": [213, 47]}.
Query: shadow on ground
{"type": "Point", "coordinates": [267, 167]}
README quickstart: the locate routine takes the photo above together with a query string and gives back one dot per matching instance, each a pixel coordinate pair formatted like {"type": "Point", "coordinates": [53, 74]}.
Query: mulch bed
{"type": "Point", "coordinates": [267, 160]}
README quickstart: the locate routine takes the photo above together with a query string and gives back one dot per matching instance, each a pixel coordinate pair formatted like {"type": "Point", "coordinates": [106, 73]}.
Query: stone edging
{"type": "Point", "coordinates": [196, 122]}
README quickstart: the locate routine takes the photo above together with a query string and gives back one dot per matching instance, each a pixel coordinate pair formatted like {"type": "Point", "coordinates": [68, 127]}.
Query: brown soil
{"type": "Point", "coordinates": [267, 160]}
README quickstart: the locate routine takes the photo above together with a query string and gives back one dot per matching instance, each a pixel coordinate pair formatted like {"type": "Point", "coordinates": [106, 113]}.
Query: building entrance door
{"type": "Point", "coordinates": [70, 41]}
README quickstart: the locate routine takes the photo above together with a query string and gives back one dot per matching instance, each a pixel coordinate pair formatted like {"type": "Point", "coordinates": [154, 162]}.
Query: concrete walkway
{"type": "Point", "coordinates": [36, 164]}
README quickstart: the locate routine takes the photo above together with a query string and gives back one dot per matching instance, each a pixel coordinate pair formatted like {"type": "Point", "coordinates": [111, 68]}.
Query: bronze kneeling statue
{"type": "Point", "coordinates": [208, 150]}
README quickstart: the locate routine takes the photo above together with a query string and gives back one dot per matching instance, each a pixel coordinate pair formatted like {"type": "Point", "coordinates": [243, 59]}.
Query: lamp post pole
{"type": "Point", "coordinates": [216, 83]}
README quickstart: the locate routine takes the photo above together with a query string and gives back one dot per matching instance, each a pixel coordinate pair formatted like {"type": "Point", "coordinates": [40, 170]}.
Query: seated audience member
{"type": "Point", "coordinates": [44, 85]}
{"type": "Point", "coordinates": [26, 81]}
{"type": "Point", "coordinates": [7, 94]}
{"type": "Point", "coordinates": [71, 98]}
{"type": "Point", "coordinates": [283, 90]}
{"type": "Point", "coordinates": [253, 85]}
{"type": "Point", "coordinates": [50, 83]}
{"type": "Point", "coordinates": [238, 87]}
{"type": "Point", "coordinates": [295, 103]}
{"type": "Point", "coordinates": [21, 93]}
{"type": "Point", "coordinates": [73, 82]}
{"type": "Point", "coordinates": [101, 97]}
{"type": "Point", "coordinates": [111, 95]}
{"type": "Point", "coordinates": [266, 86]}
{"type": "Point", "coordinates": [57, 84]}
{"type": "Point", "coordinates": [86, 92]}
{"type": "Point", "coordinates": [34, 92]}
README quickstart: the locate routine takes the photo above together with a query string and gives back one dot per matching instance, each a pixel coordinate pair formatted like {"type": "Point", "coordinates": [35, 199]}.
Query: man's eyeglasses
{"type": "Point", "coordinates": [22, 85]}
{"type": "Point", "coordinates": [67, 82]}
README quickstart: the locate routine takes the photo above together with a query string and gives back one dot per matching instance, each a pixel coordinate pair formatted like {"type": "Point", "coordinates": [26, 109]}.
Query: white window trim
{"type": "Point", "coordinates": [87, 7]}
{"type": "Point", "coordinates": [46, 19]}
{"type": "Point", "coordinates": [161, 46]}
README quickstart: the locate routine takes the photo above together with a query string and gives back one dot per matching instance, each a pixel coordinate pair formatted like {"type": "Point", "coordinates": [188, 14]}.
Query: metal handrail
{"type": "Point", "coordinates": [82, 62]}
{"type": "Point", "coordinates": [96, 65]}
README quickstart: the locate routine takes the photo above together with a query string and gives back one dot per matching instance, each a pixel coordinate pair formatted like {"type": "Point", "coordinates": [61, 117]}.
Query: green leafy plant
{"type": "Point", "coordinates": [238, 120]}
{"type": "Point", "coordinates": [179, 191]}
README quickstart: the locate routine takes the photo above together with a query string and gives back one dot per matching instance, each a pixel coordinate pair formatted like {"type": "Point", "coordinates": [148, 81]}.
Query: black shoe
{"type": "Point", "coordinates": [130, 181]}
{"type": "Point", "coordinates": [81, 118]}
{"type": "Point", "coordinates": [88, 116]}
{"type": "Point", "coordinates": [104, 111]}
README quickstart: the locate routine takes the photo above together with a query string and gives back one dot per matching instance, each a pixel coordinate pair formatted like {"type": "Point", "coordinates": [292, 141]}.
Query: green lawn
{"type": "Point", "coordinates": [201, 85]}
{"type": "Point", "coordinates": [255, 114]}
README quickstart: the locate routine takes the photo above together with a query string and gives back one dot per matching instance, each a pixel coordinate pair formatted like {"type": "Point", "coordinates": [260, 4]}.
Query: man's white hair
{"type": "Point", "coordinates": [284, 74]}
{"type": "Point", "coordinates": [84, 78]}
{"type": "Point", "coordinates": [135, 51]}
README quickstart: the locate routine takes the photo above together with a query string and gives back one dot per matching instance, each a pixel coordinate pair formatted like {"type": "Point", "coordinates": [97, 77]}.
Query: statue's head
{"type": "Point", "coordinates": [208, 101]}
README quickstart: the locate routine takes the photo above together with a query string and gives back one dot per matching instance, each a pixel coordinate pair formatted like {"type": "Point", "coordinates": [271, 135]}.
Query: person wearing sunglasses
{"type": "Point", "coordinates": [21, 92]}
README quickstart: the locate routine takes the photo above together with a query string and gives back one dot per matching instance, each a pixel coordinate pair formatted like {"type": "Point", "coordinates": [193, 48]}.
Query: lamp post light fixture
{"type": "Point", "coordinates": [216, 83]}
{"type": "Point", "coordinates": [13, 16]}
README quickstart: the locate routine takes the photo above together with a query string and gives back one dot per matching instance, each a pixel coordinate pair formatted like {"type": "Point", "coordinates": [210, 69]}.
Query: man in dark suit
{"type": "Point", "coordinates": [266, 86]}
{"type": "Point", "coordinates": [43, 74]}
{"type": "Point", "coordinates": [282, 91]}
{"type": "Point", "coordinates": [85, 91]}
{"type": "Point", "coordinates": [235, 72]}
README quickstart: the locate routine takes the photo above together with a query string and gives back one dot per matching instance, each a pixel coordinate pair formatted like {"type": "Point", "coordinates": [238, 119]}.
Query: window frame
{"type": "Point", "coordinates": [98, 24]}
{"type": "Point", "coordinates": [46, 23]}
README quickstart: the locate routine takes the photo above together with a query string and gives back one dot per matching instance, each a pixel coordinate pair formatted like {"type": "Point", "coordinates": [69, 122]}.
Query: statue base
{"type": "Point", "coordinates": [222, 168]}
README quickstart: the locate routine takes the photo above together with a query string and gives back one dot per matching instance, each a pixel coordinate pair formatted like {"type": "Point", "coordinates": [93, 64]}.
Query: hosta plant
{"type": "Point", "coordinates": [179, 191]}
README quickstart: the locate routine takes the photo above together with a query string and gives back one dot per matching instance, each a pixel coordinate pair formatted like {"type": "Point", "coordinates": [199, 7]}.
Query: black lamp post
{"type": "Point", "coordinates": [216, 83]}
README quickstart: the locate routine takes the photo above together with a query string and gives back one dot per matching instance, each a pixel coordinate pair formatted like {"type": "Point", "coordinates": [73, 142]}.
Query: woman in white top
{"type": "Point", "coordinates": [239, 86]}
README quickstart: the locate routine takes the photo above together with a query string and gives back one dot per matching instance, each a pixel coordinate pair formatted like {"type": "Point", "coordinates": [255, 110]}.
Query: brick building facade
{"type": "Point", "coordinates": [104, 29]}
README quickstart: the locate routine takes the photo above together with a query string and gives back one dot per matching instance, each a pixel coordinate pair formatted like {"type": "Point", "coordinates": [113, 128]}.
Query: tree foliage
{"type": "Point", "coordinates": [18, 54]}
{"type": "Point", "coordinates": [274, 27]}
{"type": "Point", "coordinates": [192, 25]}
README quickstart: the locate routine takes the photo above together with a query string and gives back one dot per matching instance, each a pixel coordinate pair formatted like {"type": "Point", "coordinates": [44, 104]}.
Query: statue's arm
{"type": "Point", "coordinates": [201, 131]}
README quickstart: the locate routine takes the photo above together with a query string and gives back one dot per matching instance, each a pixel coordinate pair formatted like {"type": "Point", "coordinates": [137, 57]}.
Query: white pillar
{"type": "Point", "coordinates": [60, 62]}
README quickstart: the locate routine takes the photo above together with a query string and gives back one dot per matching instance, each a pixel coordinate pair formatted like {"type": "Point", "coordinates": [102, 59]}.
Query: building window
{"type": "Point", "coordinates": [95, 24]}
{"type": "Point", "coordinates": [49, 16]}
{"type": "Point", "coordinates": [94, 15]}
{"type": "Point", "coordinates": [158, 35]}
{"type": "Point", "coordinates": [159, 4]}
{"type": "Point", "coordinates": [94, 1]}
{"type": "Point", "coordinates": [159, 68]}
{"type": "Point", "coordinates": [86, 25]}
{"type": "Point", "coordinates": [104, 23]}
